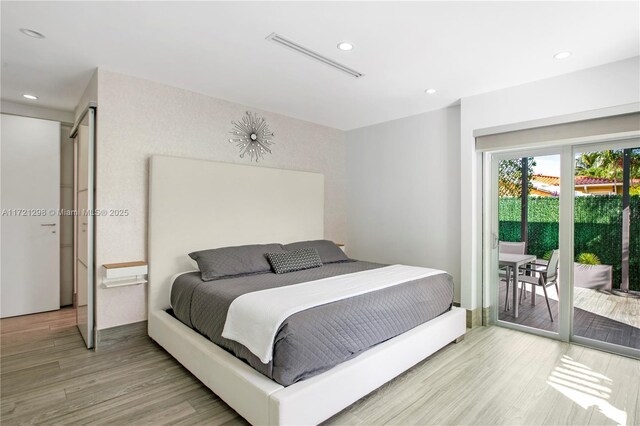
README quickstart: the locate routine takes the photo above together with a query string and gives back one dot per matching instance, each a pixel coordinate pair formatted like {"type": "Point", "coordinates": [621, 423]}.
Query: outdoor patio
{"type": "Point", "coordinates": [598, 314]}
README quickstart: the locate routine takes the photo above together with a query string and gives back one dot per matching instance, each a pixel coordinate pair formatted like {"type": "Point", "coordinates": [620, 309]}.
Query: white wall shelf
{"type": "Point", "coordinates": [124, 274]}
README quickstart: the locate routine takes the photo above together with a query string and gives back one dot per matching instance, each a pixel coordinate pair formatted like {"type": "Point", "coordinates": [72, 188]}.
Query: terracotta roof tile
{"type": "Point", "coordinates": [588, 180]}
{"type": "Point", "coordinates": [580, 180]}
{"type": "Point", "coordinates": [547, 180]}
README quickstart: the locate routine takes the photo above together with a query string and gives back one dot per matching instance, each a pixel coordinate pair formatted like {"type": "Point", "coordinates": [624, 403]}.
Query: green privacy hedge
{"type": "Point", "coordinates": [597, 227]}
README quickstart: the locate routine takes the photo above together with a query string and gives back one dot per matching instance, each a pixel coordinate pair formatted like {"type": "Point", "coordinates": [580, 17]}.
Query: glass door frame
{"type": "Point", "coordinates": [490, 242]}
{"type": "Point", "coordinates": [585, 341]}
{"type": "Point", "coordinates": [88, 116]}
{"type": "Point", "coordinates": [490, 280]}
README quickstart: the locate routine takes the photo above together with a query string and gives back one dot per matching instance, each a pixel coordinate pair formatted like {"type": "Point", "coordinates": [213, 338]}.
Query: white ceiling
{"type": "Point", "coordinates": [219, 49]}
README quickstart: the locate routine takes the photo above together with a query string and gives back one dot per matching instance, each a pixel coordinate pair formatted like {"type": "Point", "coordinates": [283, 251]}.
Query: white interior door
{"type": "Point", "coordinates": [30, 249]}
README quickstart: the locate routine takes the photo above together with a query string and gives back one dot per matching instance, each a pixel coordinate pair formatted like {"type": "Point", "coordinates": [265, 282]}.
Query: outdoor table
{"type": "Point", "coordinates": [515, 261]}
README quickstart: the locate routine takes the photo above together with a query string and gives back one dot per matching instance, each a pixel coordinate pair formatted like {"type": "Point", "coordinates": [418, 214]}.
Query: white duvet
{"type": "Point", "coordinates": [254, 318]}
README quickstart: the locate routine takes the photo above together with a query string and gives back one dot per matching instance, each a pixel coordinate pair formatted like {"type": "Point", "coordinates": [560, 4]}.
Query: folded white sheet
{"type": "Point", "coordinates": [254, 318]}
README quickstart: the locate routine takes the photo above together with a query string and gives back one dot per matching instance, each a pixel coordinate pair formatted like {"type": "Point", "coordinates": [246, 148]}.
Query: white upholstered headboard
{"type": "Point", "coordinates": [196, 204]}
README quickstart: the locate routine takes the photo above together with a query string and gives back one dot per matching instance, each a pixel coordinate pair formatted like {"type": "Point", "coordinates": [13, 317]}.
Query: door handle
{"type": "Point", "coordinates": [47, 224]}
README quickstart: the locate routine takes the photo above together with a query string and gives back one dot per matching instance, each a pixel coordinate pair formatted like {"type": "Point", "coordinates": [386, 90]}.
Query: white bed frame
{"type": "Point", "coordinates": [196, 204]}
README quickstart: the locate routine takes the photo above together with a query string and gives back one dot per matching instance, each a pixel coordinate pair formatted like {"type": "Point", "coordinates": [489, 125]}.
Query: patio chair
{"type": "Point", "coordinates": [514, 248]}
{"type": "Point", "coordinates": [543, 276]}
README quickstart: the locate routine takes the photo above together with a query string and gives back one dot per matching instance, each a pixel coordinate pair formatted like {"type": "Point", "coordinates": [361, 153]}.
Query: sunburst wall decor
{"type": "Point", "coordinates": [252, 136]}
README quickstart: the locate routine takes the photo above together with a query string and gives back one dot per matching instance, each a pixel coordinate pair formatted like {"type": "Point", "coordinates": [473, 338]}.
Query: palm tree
{"type": "Point", "coordinates": [611, 162]}
{"type": "Point", "coordinates": [587, 162]}
{"type": "Point", "coordinates": [607, 164]}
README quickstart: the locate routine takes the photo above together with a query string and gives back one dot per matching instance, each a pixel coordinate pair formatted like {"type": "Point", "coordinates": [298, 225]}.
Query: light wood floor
{"type": "Point", "coordinates": [494, 376]}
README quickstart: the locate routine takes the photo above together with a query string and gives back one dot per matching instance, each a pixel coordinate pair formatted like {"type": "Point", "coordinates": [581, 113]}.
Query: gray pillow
{"type": "Point", "coordinates": [225, 262]}
{"type": "Point", "coordinates": [329, 252]}
{"type": "Point", "coordinates": [297, 260]}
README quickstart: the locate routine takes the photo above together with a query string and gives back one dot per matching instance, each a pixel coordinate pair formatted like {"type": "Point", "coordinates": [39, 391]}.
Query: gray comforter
{"type": "Point", "coordinates": [314, 340]}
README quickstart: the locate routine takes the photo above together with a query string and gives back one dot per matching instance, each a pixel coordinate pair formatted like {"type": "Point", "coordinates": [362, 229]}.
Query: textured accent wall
{"type": "Point", "coordinates": [138, 118]}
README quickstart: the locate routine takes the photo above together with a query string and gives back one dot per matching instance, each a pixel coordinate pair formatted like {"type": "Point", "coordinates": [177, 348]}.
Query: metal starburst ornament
{"type": "Point", "coordinates": [252, 136]}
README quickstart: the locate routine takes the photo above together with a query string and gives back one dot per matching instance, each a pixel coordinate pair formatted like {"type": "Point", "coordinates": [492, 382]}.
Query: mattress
{"type": "Point", "coordinates": [315, 340]}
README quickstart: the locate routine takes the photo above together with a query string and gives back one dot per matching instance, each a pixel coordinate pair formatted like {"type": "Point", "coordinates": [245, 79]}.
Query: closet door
{"type": "Point", "coordinates": [30, 199]}
{"type": "Point", "coordinates": [84, 222]}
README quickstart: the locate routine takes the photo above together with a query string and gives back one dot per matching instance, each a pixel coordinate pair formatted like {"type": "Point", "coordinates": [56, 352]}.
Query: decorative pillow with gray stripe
{"type": "Point", "coordinates": [297, 260]}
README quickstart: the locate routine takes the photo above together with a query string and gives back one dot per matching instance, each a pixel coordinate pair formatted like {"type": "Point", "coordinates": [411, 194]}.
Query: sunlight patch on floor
{"type": "Point", "coordinates": [585, 387]}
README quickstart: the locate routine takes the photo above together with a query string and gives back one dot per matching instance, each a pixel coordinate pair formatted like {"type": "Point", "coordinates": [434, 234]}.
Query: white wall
{"type": "Point", "coordinates": [34, 111]}
{"type": "Point", "coordinates": [403, 192]}
{"type": "Point", "coordinates": [90, 94]}
{"type": "Point", "coordinates": [605, 86]}
{"type": "Point", "coordinates": [138, 118]}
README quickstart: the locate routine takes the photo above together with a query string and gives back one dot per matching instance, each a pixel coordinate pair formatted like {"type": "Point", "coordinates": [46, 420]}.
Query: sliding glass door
{"type": "Point", "coordinates": [562, 246]}
{"type": "Point", "coordinates": [606, 271]}
{"type": "Point", "coordinates": [526, 233]}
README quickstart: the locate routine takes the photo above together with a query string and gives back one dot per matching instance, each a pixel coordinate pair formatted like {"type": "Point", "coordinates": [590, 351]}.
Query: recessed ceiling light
{"type": "Point", "coordinates": [430, 91]}
{"type": "Point", "coordinates": [345, 45]}
{"type": "Point", "coordinates": [28, 96]}
{"type": "Point", "coordinates": [562, 55]}
{"type": "Point", "coordinates": [31, 33]}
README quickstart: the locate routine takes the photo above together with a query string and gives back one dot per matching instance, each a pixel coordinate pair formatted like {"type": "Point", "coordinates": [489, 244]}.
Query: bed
{"type": "Point", "coordinates": [196, 205]}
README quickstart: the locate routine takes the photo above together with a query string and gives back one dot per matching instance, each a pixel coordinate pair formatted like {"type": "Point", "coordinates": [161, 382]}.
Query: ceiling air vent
{"type": "Point", "coordinates": [278, 39]}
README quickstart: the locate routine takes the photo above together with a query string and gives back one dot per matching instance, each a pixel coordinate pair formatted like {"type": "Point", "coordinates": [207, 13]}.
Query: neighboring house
{"type": "Point", "coordinates": [549, 186]}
